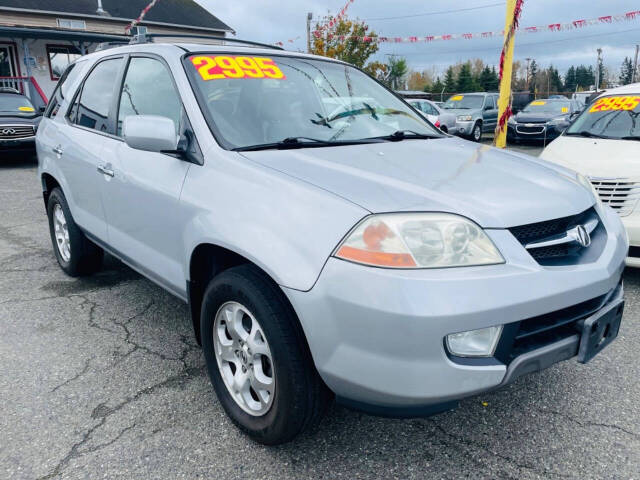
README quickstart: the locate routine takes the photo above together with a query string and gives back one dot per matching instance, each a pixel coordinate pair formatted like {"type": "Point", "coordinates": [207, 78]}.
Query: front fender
{"type": "Point", "coordinates": [282, 224]}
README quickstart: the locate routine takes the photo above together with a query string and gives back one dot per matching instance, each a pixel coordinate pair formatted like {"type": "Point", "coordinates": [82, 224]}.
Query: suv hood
{"type": "Point", "coordinates": [495, 188]}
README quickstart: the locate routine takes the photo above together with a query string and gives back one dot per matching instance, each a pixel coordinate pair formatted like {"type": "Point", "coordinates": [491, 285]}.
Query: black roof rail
{"type": "Point", "coordinates": [148, 38]}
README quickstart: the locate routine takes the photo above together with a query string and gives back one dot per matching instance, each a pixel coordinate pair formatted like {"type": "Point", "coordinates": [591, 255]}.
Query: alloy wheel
{"type": "Point", "coordinates": [61, 233]}
{"type": "Point", "coordinates": [244, 358]}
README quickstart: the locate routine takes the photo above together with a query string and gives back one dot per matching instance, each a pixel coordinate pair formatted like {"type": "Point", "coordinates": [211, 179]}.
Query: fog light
{"type": "Point", "coordinates": [474, 343]}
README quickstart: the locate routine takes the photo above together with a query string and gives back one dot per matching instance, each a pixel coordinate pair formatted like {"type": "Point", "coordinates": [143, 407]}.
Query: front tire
{"type": "Point", "coordinates": [476, 133]}
{"type": "Point", "coordinates": [257, 357]}
{"type": "Point", "coordinates": [75, 253]}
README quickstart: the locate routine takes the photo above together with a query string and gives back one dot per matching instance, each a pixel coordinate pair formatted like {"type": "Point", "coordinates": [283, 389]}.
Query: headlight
{"type": "Point", "coordinates": [512, 121]}
{"type": "Point", "coordinates": [474, 343]}
{"type": "Point", "coordinates": [465, 118]}
{"type": "Point", "coordinates": [584, 181]}
{"type": "Point", "coordinates": [418, 240]}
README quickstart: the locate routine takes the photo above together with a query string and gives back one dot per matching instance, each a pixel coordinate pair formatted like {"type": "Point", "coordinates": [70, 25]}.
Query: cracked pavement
{"type": "Point", "coordinates": [102, 378]}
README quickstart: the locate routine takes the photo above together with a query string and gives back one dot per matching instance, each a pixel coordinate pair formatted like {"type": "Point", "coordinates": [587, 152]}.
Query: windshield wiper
{"type": "Point", "coordinates": [302, 142]}
{"type": "Point", "coordinates": [630, 137]}
{"type": "Point", "coordinates": [404, 135]}
{"type": "Point", "coordinates": [585, 133]}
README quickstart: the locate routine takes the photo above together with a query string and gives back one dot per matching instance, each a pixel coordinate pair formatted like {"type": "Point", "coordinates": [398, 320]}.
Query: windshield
{"type": "Point", "coordinates": [610, 117]}
{"type": "Point", "coordinates": [465, 102]}
{"type": "Point", "coordinates": [16, 105]}
{"type": "Point", "coordinates": [547, 106]}
{"type": "Point", "coordinates": [256, 101]}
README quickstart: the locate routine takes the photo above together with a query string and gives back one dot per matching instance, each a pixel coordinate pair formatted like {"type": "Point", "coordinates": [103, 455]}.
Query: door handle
{"type": "Point", "coordinates": [57, 150]}
{"type": "Point", "coordinates": [105, 170]}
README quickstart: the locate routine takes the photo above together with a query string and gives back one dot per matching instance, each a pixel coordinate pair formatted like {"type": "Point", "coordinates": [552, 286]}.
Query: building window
{"type": "Point", "coordinates": [72, 24]}
{"type": "Point", "coordinates": [60, 56]}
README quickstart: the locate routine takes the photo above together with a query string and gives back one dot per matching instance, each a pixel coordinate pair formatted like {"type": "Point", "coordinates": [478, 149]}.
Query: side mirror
{"type": "Point", "coordinates": [150, 133]}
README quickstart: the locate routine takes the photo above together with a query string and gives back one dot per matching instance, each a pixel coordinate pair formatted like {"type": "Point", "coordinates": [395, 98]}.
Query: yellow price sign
{"type": "Point", "coordinates": [538, 103]}
{"type": "Point", "coordinates": [565, 109]}
{"type": "Point", "coordinates": [217, 67]}
{"type": "Point", "coordinates": [608, 104]}
{"type": "Point", "coordinates": [26, 109]}
{"type": "Point", "coordinates": [457, 98]}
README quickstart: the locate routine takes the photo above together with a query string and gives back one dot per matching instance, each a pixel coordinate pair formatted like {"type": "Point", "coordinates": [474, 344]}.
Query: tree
{"type": "Point", "coordinates": [533, 76]}
{"type": "Point", "coordinates": [397, 70]}
{"type": "Point", "coordinates": [465, 82]}
{"type": "Point", "coordinates": [449, 81]}
{"type": "Point", "coordinates": [555, 82]}
{"type": "Point", "coordinates": [626, 71]}
{"type": "Point", "coordinates": [488, 80]}
{"type": "Point", "coordinates": [437, 87]}
{"type": "Point", "coordinates": [419, 80]}
{"type": "Point", "coordinates": [570, 83]}
{"type": "Point", "coordinates": [349, 41]}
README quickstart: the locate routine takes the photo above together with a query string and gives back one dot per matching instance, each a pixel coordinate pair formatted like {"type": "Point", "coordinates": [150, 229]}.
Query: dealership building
{"type": "Point", "coordinates": [39, 38]}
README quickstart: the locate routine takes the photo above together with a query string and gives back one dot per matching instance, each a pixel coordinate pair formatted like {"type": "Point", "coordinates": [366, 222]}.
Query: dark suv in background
{"type": "Point", "coordinates": [19, 122]}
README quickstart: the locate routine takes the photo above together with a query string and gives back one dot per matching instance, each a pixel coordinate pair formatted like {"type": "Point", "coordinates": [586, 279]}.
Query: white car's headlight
{"type": "Point", "coordinates": [465, 118]}
{"type": "Point", "coordinates": [418, 240]}
{"type": "Point", "coordinates": [584, 181]}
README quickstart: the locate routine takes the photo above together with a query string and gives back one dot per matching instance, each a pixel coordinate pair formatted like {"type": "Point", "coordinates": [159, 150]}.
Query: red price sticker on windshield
{"type": "Point", "coordinates": [224, 66]}
{"type": "Point", "coordinates": [607, 104]}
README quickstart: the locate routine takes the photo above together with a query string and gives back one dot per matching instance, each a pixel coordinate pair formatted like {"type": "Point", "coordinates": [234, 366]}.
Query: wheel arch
{"type": "Point", "coordinates": [49, 182]}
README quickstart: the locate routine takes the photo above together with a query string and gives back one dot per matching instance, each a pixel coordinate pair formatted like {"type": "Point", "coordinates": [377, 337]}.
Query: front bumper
{"type": "Point", "coordinates": [27, 144]}
{"type": "Point", "coordinates": [463, 128]}
{"type": "Point", "coordinates": [376, 335]}
{"type": "Point", "coordinates": [539, 133]}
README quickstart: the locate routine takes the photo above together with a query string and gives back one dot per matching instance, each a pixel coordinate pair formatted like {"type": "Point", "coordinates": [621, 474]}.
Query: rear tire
{"type": "Point", "coordinates": [300, 397]}
{"type": "Point", "coordinates": [76, 254]}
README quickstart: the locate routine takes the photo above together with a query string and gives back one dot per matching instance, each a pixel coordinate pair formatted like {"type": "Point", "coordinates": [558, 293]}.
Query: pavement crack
{"type": "Point", "coordinates": [461, 441]}
{"type": "Point", "coordinates": [586, 423]}
{"type": "Point", "coordinates": [84, 370]}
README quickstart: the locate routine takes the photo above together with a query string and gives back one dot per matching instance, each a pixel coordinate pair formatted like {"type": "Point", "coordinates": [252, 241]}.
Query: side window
{"type": "Point", "coordinates": [92, 105]}
{"type": "Point", "coordinates": [429, 109]}
{"type": "Point", "coordinates": [148, 90]}
{"type": "Point", "coordinates": [62, 89]}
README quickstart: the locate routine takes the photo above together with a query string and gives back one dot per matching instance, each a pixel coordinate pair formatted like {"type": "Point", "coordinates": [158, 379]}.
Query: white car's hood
{"type": "Point", "coordinates": [494, 187]}
{"type": "Point", "coordinates": [595, 157]}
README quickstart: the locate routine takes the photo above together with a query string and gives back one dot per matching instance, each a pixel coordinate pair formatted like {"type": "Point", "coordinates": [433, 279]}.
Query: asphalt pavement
{"type": "Point", "coordinates": [101, 378]}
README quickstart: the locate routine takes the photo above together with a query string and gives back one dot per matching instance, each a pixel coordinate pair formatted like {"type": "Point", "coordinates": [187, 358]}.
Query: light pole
{"type": "Point", "coordinates": [598, 69]}
{"type": "Point", "coordinates": [635, 66]}
{"type": "Point", "coordinates": [309, 18]}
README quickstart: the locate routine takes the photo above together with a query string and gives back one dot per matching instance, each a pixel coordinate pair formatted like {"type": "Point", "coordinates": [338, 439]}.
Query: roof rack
{"type": "Point", "coordinates": [140, 36]}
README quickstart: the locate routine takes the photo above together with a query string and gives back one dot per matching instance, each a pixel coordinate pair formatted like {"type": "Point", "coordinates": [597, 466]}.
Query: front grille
{"type": "Point", "coordinates": [568, 253]}
{"type": "Point", "coordinates": [13, 132]}
{"type": "Point", "coordinates": [530, 130]}
{"type": "Point", "coordinates": [536, 332]}
{"type": "Point", "coordinates": [619, 193]}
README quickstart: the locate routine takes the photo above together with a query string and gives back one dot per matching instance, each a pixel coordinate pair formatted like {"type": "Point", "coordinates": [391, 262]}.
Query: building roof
{"type": "Point", "coordinates": [175, 12]}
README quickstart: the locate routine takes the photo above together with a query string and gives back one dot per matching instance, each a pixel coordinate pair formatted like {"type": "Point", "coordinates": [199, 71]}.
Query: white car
{"type": "Point", "coordinates": [603, 143]}
{"type": "Point", "coordinates": [436, 115]}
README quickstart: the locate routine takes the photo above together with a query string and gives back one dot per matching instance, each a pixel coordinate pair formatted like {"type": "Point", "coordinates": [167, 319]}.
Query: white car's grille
{"type": "Point", "coordinates": [620, 194]}
{"type": "Point", "coordinates": [12, 132]}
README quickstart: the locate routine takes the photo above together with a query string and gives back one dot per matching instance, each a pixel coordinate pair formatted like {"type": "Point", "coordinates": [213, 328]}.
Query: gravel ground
{"type": "Point", "coordinates": [101, 378]}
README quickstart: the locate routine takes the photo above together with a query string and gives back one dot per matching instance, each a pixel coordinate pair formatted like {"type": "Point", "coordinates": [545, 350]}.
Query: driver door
{"type": "Point", "coordinates": [490, 113]}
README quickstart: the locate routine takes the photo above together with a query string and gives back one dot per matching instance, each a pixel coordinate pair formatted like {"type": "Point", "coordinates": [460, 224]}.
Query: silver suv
{"type": "Point", "coordinates": [476, 113]}
{"type": "Point", "coordinates": [329, 241]}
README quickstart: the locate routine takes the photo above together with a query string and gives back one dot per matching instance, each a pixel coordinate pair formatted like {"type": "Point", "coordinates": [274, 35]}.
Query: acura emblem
{"type": "Point", "coordinates": [580, 235]}
{"type": "Point", "coordinates": [8, 131]}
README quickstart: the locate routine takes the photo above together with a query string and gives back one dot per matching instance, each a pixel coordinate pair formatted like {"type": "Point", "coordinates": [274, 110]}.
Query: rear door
{"type": "Point", "coordinates": [490, 113]}
{"type": "Point", "coordinates": [78, 140]}
{"type": "Point", "coordinates": [142, 199]}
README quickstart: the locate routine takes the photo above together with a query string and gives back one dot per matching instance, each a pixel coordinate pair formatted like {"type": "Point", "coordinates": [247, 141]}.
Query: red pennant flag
{"type": "Point", "coordinates": [606, 19]}
{"type": "Point", "coordinates": [447, 37]}
{"type": "Point", "coordinates": [468, 36]}
{"type": "Point", "coordinates": [531, 29]}
{"type": "Point", "coordinates": [555, 27]}
{"type": "Point", "coordinates": [579, 23]}
{"type": "Point", "coordinates": [413, 39]}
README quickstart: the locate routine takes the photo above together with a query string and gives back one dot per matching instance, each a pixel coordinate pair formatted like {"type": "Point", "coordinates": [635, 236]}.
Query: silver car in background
{"type": "Point", "coordinates": [440, 118]}
{"type": "Point", "coordinates": [329, 241]}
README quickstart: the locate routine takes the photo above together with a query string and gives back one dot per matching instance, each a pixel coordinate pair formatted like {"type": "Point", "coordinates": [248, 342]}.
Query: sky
{"type": "Point", "coordinates": [272, 21]}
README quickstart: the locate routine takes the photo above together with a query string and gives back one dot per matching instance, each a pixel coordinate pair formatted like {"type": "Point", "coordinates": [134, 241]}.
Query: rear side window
{"type": "Point", "coordinates": [148, 89]}
{"type": "Point", "coordinates": [92, 105]}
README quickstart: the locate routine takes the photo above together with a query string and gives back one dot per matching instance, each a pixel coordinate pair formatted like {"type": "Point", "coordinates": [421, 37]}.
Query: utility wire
{"type": "Point", "coordinates": [440, 12]}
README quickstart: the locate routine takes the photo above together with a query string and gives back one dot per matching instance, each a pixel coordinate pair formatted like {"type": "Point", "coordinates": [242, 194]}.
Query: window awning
{"type": "Point", "coordinates": [56, 34]}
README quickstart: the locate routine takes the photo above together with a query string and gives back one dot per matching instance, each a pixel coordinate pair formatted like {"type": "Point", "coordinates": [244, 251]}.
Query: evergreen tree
{"type": "Point", "coordinates": [437, 87]}
{"type": "Point", "coordinates": [555, 82]}
{"type": "Point", "coordinates": [533, 76]}
{"type": "Point", "coordinates": [626, 71]}
{"type": "Point", "coordinates": [486, 79]}
{"type": "Point", "coordinates": [449, 81]}
{"type": "Point", "coordinates": [495, 81]}
{"type": "Point", "coordinates": [465, 81]}
{"type": "Point", "coordinates": [570, 79]}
